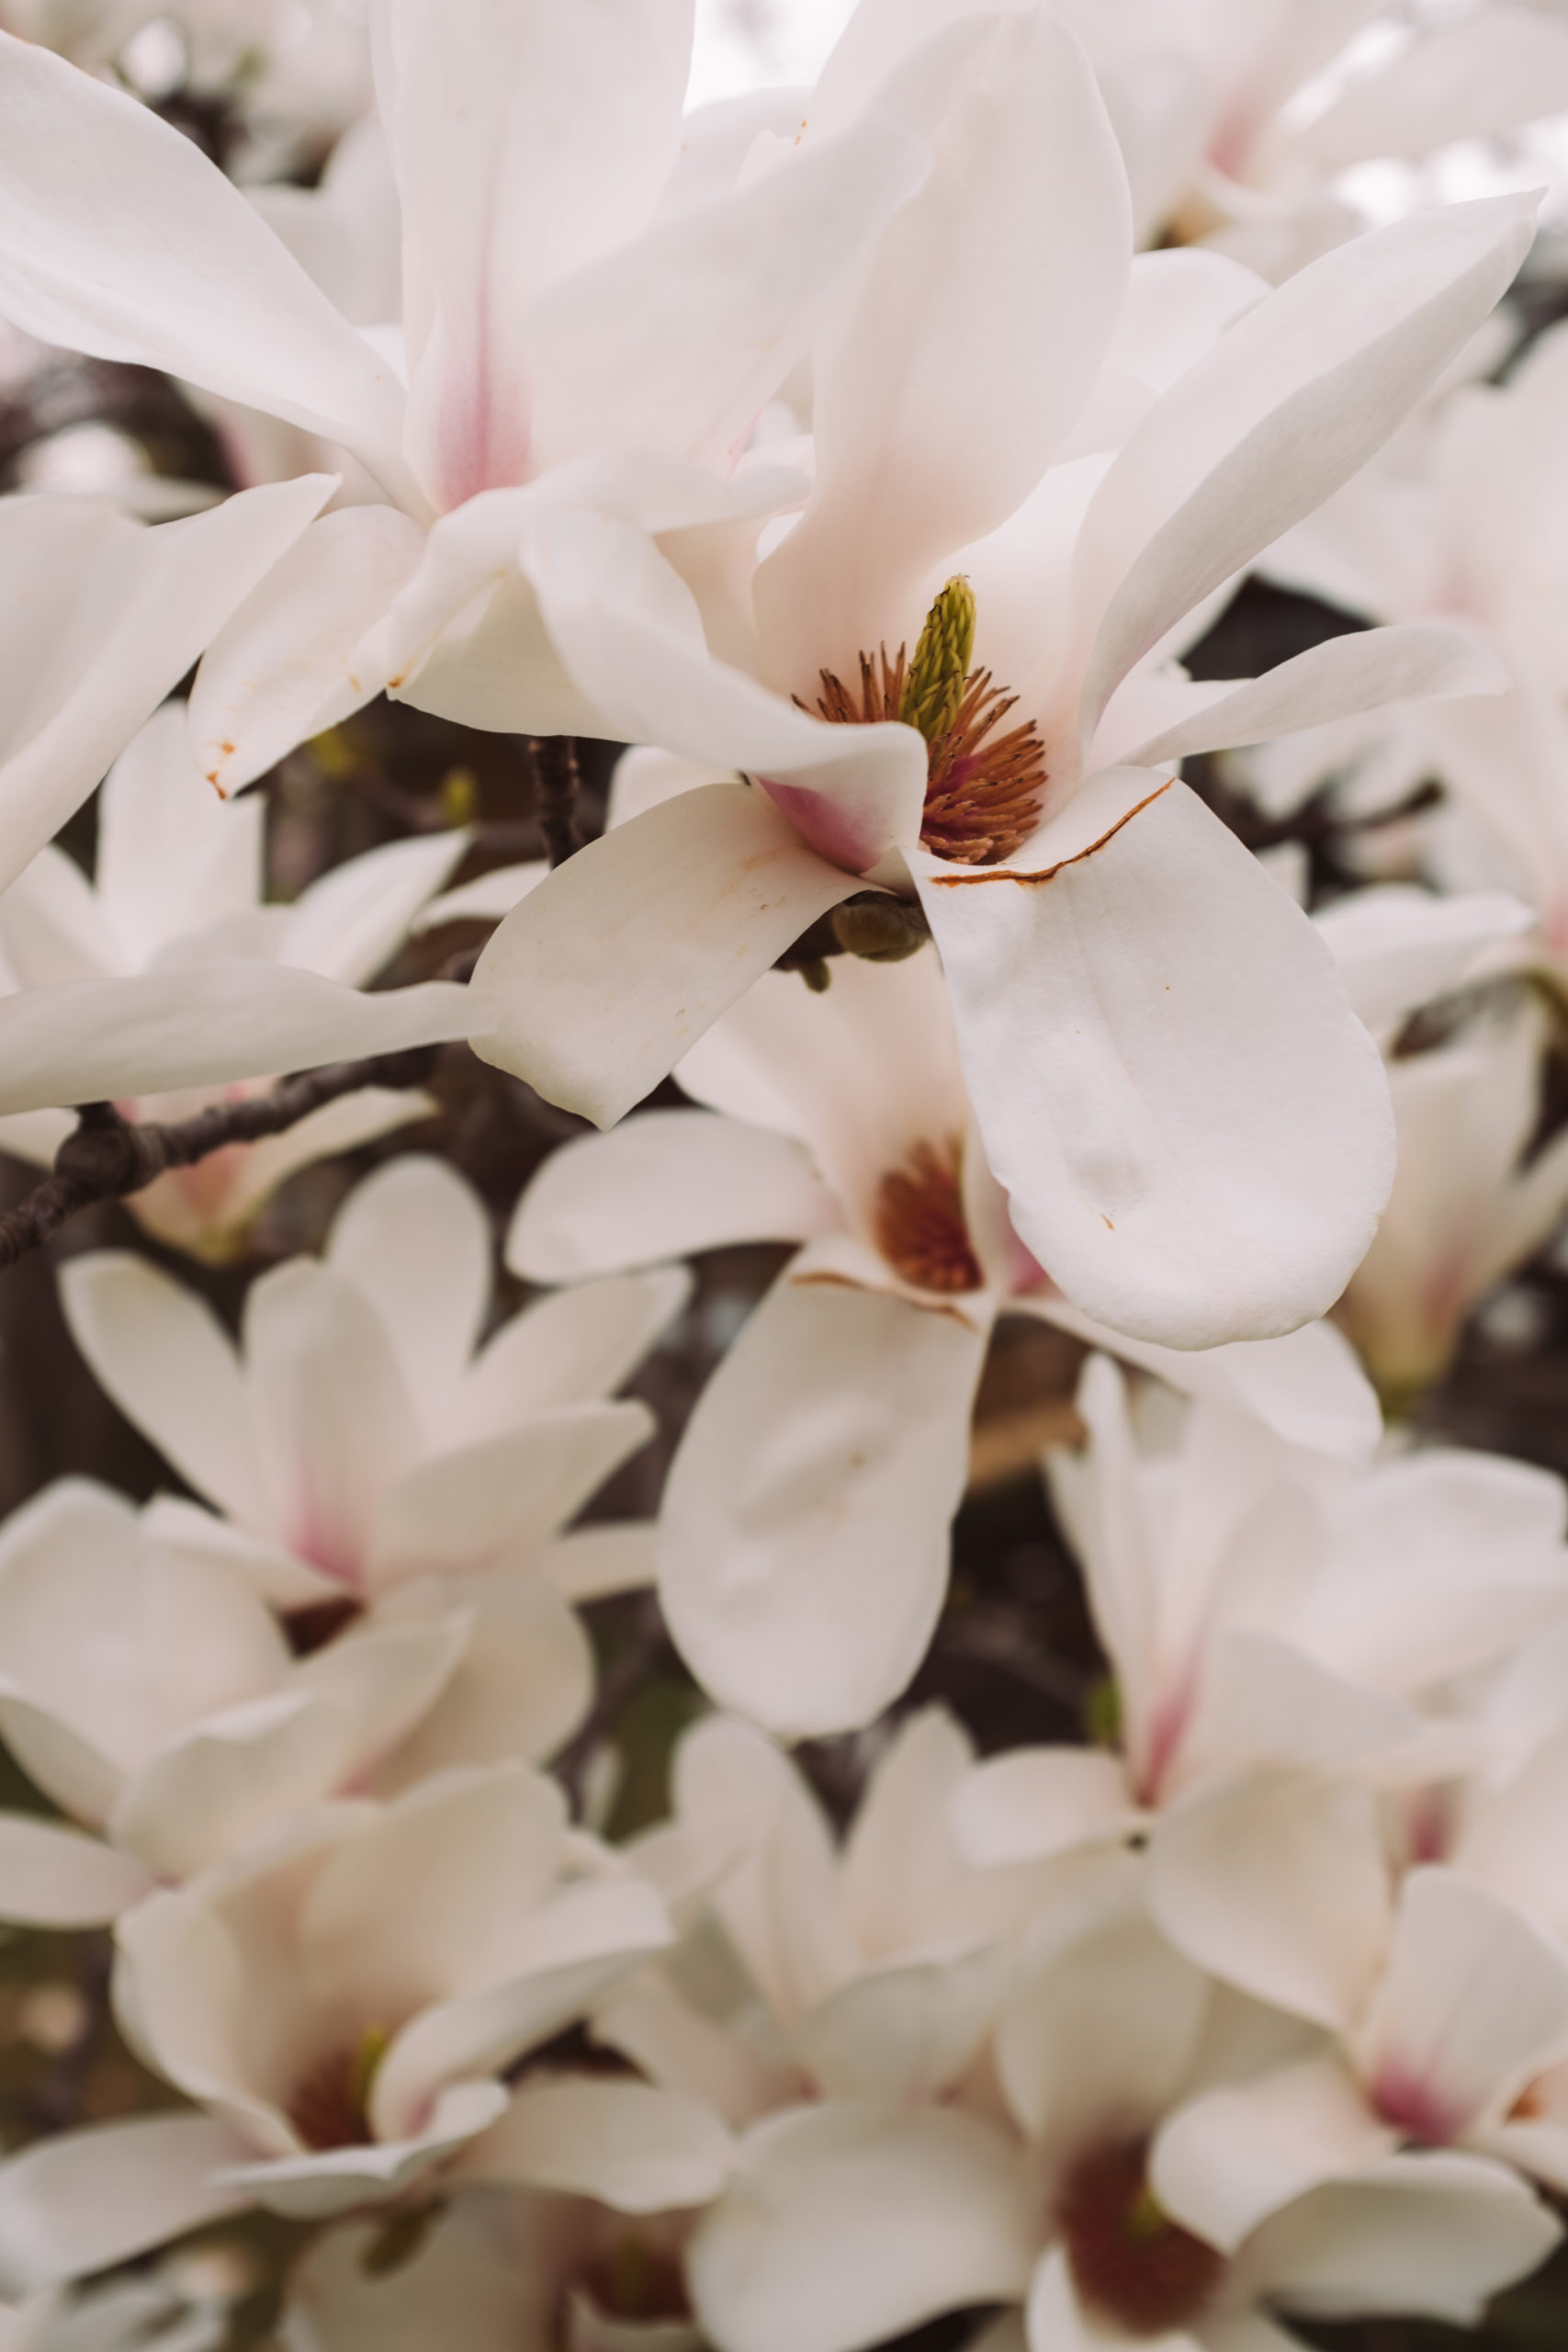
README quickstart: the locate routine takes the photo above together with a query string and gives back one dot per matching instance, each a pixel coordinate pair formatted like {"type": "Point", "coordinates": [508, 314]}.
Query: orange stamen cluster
{"type": "Point", "coordinates": [984, 791]}
{"type": "Point", "coordinates": [920, 1226]}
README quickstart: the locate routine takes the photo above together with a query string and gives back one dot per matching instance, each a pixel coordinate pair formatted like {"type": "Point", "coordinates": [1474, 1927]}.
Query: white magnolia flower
{"type": "Point", "coordinates": [341, 2000]}
{"type": "Point", "coordinates": [849, 2222]}
{"type": "Point", "coordinates": [831, 1448]}
{"type": "Point", "coordinates": [1260, 1608]}
{"type": "Point", "coordinates": [873, 1970]}
{"type": "Point", "coordinates": [178, 885]}
{"type": "Point", "coordinates": [563, 345]}
{"type": "Point", "coordinates": [1131, 988]}
{"type": "Point", "coordinates": [356, 1442]}
{"type": "Point", "coordinates": [108, 616]}
{"type": "Point", "coordinates": [1435, 2033]}
{"type": "Point", "coordinates": [154, 1697]}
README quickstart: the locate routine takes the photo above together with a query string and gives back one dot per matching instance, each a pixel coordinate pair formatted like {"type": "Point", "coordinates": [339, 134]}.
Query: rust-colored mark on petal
{"type": "Point", "coordinates": [1106, 1222]}
{"type": "Point", "coordinates": [1049, 872]}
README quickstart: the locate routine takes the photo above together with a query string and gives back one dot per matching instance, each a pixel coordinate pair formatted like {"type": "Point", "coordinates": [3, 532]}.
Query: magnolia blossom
{"type": "Point", "coordinates": [1187, 1122]}
{"type": "Point", "coordinates": [849, 2223]}
{"type": "Point", "coordinates": [178, 885]}
{"type": "Point", "coordinates": [1207, 99]}
{"type": "Point", "coordinates": [563, 345]}
{"type": "Point", "coordinates": [1264, 1609]}
{"type": "Point", "coordinates": [108, 617]}
{"type": "Point", "coordinates": [369, 1471]}
{"type": "Point", "coordinates": [872, 1971]}
{"type": "Point", "coordinates": [831, 1448]}
{"type": "Point", "coordinates": [340, 1999]}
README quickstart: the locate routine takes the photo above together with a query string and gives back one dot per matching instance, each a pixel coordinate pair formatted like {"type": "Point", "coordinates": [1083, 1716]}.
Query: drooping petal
{"type": "Point", "coordinates": [804, 1537]}
{"type": "Point", "coordinates": [852, 2223]}
{"type": "Point", "coordinates": [1224, 2162]}
{"type": "Point", "coordinates": [701, 896]}
{"type": "Point", "coordinates": [155, 257]}
{"type": "Point", "coordinates": [1192, 1126]}
{"type": "Point", "coordinates": [57, 1877]}
{"type": "Point", "coordinates": [156, 1033]}
{"type": "Point", "coordinates": [1288, 404]}
{"type": "Point", "coordinates": [313, 2188]}
{"type": "Point", "coordinates": [661, 1186]}
{"type": "Point", "coordinates": [84, 2199]}
{"type": "Point", "coordinates": [288, 664]}
{"type": "Point", "coordinates": [940, 398]}
{"type": "Point", "coordinates": [635, 2148]}
{"type": "Point", "coordinates": [1361, 671]}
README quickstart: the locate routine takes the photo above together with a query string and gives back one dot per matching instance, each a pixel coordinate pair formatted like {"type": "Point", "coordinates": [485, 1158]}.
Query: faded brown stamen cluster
{"type": "Point", "coordinates": [328, 2106]}
{"type": "Point", "coordinates": [984, 791]}
{"type": "Point", "coordinates": [920, 1226]}
{"type": "Point", "coordinates": [1131, 2262]}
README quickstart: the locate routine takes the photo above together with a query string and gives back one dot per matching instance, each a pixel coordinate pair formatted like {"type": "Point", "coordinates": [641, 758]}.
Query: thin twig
{"type": "Point", "coordinates": [618, 1685]}
{"type": "Point", "coordinates": [557, 776]}
{"type": "Point", "coordinates": [109, 1157]}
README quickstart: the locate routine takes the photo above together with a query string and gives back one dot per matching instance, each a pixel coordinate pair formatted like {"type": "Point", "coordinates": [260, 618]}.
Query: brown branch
{"type": "Point", "coordinates": [557, 776]}
{"type": "Point", "coordinates": [107, 1156]}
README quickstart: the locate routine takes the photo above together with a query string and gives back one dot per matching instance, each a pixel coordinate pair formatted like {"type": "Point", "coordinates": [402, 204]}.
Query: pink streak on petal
{"type": "Point", "coordinates": [829, 828]}
{"type": "Point", "coordinates": [1412, 2106]}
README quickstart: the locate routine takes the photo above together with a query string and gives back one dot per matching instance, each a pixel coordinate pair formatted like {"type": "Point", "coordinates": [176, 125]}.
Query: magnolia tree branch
{"type": "Point", "coordinates": [557, 776]}
{"type": "Point", "coordinates": [109, 1157]}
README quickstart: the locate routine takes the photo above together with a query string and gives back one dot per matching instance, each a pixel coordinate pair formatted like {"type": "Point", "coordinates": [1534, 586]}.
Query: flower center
{"type": "Point", "coordinates": [1131, 2262]}
{"type": "Point", "coordinates": [984, 790]}
{"type": "Point", "coordinates": [920, 1226]}
{"type": "Point", "coordinates": [329, 2108]}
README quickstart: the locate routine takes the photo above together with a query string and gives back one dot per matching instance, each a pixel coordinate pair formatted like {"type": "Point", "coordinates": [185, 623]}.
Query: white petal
{"type": "Point", "coordinates": [413, 1238]}
{"type": "Point", "coordinates": [717, 305]}
{"type": "Point", "coordinates": [571, 1348]}
{"type": "Point", "coordinates": [593, 1561]}
{"type": "Point", "coordinates": [1473, 2007]}
{"type": "Point", "coordinates": [1095, 2045]}
{"type": "Point", "coordinates": [172, 856]}
{"type": "Point", "coordinates": [157, 259]}
{"type": "Point", "coordinates": [804, 1538]}
{"type": "Point", "coordinates": [1223, 2163]}
{"type": "Point", "coordinates": [351, 920]}
{"type": "Point", "coordinates": [166, 1361]}
{"type": "Point", "coordinates": [1277, 1883]}
{"type": "Point", "coordinates": [633, 2148]}
{"type": "Point", "coordinates": [701, 894]}
{"type": "Point", "coordinates": [110, 617]}
{"type": "Point", "coordinates": [88, 1041]}
{"type": "Point", "coordinates": [1345, 674]}
{"type": "Point", "coordinates": [1038, 1800]}
{"type": "Point", "coordinates": [1462, 79]}
{"type": "Point", "coordinates": [311, 2188]}
{"type": "Point", "coordinates": [508, 1493]}
{"type": "Point", "coordinates": [1288, 405]}
{"type": "Point", "coordinates": [333, 1420]}
{"type": "Point", "coordinates": [664, 1185]}
{"type": "Point", "coordinates": [1434, 2234]}
{"type": "Point", "coordinates": [523, 1685]}
{"type": "Point", "coordinates": [1399, 947]}
{"type": "Point", "coordinates": [1192, 1124]}
{"type": "Point", "coordinates": [927, 439]}
{"type": "Point", "coordinates": [57, 1877]}
{"type": "Point", "coordinates": [88, 2198]}
{"type": "Point", "coordinates": [850, 2224]}
{"type": "Point", "coordinates": [484, 899]}
{"type": "Point", "coordinates": [282, 668]}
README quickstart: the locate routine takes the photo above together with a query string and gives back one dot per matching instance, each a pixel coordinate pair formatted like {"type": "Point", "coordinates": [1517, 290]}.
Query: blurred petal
{"type": "Point", "coordinates": [84, 2199]}
{"type": "Point", "coordinates": [57, 1877]}
{"type": "Point", "coordinates": [632, 2148]}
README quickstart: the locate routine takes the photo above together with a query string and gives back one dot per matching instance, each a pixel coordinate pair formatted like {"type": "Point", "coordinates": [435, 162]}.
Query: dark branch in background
{"type": "Point", "coordinates": [555, 780]}
{"type": "Point", "coordinates": [109, 1157]}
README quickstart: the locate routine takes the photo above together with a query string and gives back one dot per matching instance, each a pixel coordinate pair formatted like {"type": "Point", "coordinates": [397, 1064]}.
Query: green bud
{"type": "Point", "coordinates": [934, 687]}
{"type": "Point", "coordinates": [882, 929]}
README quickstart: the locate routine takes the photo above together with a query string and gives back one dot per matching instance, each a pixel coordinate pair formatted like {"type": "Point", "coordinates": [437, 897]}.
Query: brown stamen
{"type": "Point", "coordinates": [329, 2108]}
{"type": "Point", "coordinates": [984, 791]}
{"type": "Point", "coordinates": [920, 1226]}
{"type": "Point", "coordinates": [1131, 2262]}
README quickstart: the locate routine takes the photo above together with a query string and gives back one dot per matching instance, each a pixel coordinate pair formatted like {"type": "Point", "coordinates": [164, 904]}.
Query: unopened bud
{"type": "Point", "coordinates": [934, 687]}
{"type": "Point", "coordinates": [882, 929]}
